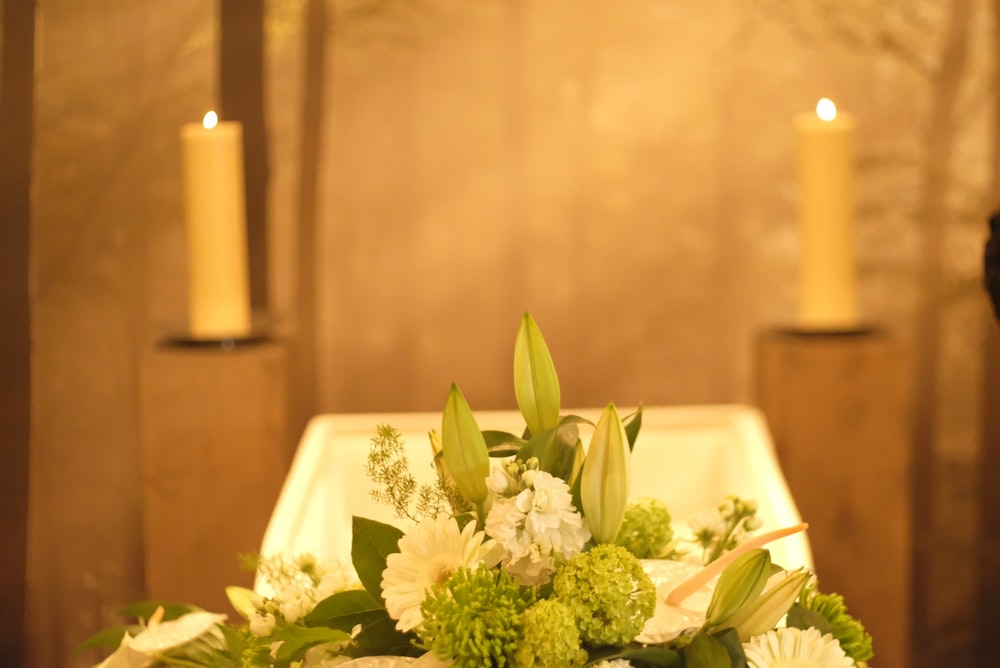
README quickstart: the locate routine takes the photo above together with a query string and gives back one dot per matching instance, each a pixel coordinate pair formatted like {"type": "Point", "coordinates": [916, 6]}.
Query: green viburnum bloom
{"type": "Point", "coordinates": [646, 529]}
{"type": "Point", "coordinates": [549, 637]}
{"type": "Point", "coordinates": [475, 618]}
{"type": "Point", "coordinates": [609, 593]}
{"type": "Point", "coordinates": [850, 632]}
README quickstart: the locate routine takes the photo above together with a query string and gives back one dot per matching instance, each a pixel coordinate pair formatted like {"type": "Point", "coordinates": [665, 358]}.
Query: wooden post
{"type": "Point", "coordinates": [838, 408]}
{"type": "Point", "coordinates": [215, 451]}
{"type": "Point", "coordinates": [17, 49]}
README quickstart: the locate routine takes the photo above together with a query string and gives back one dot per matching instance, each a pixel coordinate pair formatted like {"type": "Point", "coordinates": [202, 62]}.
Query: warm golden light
{"type": "Point", "coordinates": [211, 120]}
{"type": "Point", "coordinates": [826, 109]}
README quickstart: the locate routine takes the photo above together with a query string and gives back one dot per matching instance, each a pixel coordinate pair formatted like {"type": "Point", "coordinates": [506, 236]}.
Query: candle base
{"type": "Point", "coordinates": [819, 332]}
{"type": "Point", "coordinates": [260, 332]}
{"type": "Point", "coordinates": [222, 343]}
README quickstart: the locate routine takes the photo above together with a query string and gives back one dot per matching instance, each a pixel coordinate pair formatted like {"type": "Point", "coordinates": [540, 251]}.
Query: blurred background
{"type": "Point", "coordinates": [421, 172]}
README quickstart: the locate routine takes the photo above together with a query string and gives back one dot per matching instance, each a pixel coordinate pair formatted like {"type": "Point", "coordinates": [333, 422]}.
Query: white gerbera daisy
{"type": "Point", "coordinates": [795, 648]}
{"type": "Point", "coordinates": [428, 555]}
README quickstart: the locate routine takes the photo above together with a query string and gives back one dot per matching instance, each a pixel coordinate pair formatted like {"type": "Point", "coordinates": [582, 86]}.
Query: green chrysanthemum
{"type": "Point", "coordinates": [609, 593]}
{"type": "Point", "coordinates": [850, 632]}
{"type": "Point", "coordinates": [549, 638]}
{"type": "Point", "coordinates": [646, 529]}
{"type": "Point", "coordinates": [475, 618]}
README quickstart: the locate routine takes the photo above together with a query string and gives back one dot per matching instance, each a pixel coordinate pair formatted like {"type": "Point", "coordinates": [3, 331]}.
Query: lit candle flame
{"type": "Point", "coordinates": [211, 120]}
{"type": "Point", "coordinates": [826, 109]}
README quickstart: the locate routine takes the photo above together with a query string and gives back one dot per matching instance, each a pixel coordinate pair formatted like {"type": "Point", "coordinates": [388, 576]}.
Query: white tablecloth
{"type": "Point", "coordinates": [690, 457]}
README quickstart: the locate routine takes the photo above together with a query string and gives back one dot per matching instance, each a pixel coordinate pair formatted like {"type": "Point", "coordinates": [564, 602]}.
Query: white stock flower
{"type": "Point", "coordinates": [294, 601]}
{"type": "Point", "coordinates": [428, 555]}
{"type": "Point", "coordinates": [798, 648]}
{"type": "Point", "coordinates": [536, 527]}
{"type": "Point", "coordinates": [261, 623]}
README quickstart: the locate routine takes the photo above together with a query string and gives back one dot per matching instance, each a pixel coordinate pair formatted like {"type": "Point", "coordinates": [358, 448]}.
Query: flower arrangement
{"type": "Point", "coordinates": [527, 552]}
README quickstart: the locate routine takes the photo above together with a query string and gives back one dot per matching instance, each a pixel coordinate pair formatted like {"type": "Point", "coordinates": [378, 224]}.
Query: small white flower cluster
{"type": "Point", "coordinates": [722, 528]}
{"type": "Point", "coordinates": [534, 521]}
{"type": "Point", "coordinates": [298, 586]}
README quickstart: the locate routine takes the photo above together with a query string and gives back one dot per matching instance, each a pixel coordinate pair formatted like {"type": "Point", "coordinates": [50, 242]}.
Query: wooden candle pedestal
{"type": "Point", "coordinates": [215, 451]}
{"type": "Point", "coordinates": [838, 407]}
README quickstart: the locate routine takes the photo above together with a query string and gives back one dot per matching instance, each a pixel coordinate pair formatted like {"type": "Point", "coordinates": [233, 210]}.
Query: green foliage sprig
{"type": "Point", "coordinates": [395, 486]}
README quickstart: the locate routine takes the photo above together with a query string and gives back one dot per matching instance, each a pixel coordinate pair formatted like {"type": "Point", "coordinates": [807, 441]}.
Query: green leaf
{"type": "Point", "coordinates": [801, 617]}
{"type": "Point", "coordinates": [653, 656]}
{"type": "Point", "coordinates": [739, 585]}
{"type": "Point", "coordinates": [145, 610]}
{"type": "Point", "coordinates": [109, 638]}
{"type": "Point", "coordinates": [464, 448]}
{"type": "Point", "coordinates": [345, 609]}
{"type": "Point", "coordinates": [380, 636]}
{"type": "Point", "coordinates": [502, 443]}
{"type": "Point", "coordinates": [536, 385]}
{"type": "Point", "coordinates": [297, 639]}
{"type": "Point", "coordinates": [706, 652]}
{"type": "Point", "coordinates": [632, 425]}
{"type": "Point", "coordinates": [730, 639]}
{"type": "Point", "coordinates": [556, 449]}
{"type": "Point", "coordinates": [372, 542]}
{"type": "Point", "coordinates": [604, 483]}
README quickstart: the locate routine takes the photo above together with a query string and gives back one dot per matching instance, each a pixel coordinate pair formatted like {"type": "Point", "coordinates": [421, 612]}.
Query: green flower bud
{"type": "Point", "coordinates": [739, 585]}
{"type": "Point", "coordinates": [604, 481]}
{"type": "Point", "coordinates": [464, 447]}
{"type": "Point", "coordinates": [536, 386]}
{"type": "Point", "coordinates": [762, 614]}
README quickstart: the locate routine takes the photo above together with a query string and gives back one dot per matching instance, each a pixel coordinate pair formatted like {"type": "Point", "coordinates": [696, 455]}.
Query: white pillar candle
{"type": "Point", "coordinates": [218, 287]}
{"type": "Point", "coordinates": [828, 276]}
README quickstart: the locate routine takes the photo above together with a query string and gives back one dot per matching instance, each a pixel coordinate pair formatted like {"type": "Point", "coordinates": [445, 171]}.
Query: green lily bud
{"type": "Point", "coordinates": [604, 481]}
{"type": "Point", "coordinates": [242, 600]}
{"type": "Point", "coordinates": [739, 585]}
{"type": "Point", "coordinates": [762, 614]}
{"type": "Point", "coordinates": [437, 450]}
{"type": "Point", "coordinates": [464, 447]}
{"type": "Point", "coordinates": [536, 386]}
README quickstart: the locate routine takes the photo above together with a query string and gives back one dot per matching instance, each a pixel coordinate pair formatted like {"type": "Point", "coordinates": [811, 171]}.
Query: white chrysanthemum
{"type": "Point", "coordinates": [795, 648]}
{"type": "Point", "coordinates": [535, 527]}
{"type": "Point", "coordinates": [614, 663]}
{"type": "Point", "coordinates": [427, 557]}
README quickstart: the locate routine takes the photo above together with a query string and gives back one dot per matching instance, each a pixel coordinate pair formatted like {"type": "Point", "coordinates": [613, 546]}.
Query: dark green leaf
{"type": "Point", "coordinates": [706, 652]}
{"type": "Point", "coordinates": [109, 638]}
{"type": "Point", "coordinates": [574, 419]}
{"type": "Point", "coordinates": [730, 639]}
{"type": "Point", "coordinates": [298, 639]}
{"type": "Point", "coordinates": [654, 656]}
{"type": "Point", "coordinates": [801, 617]}
{"type": "Point", "coordinates": [145, 610]}
{"type": "Point", "coordinates": [379, 636]}
{"type": "Point", "coordinates": [502, 443]}
{"type": "Point", "coordinates": [345, 609]}
{"type": "Point", "coordinates": [558, 454]}
{"type": "Point", "coordinates": [632, 425]}
{"type": "Point", "coordinates": [372, 543]}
